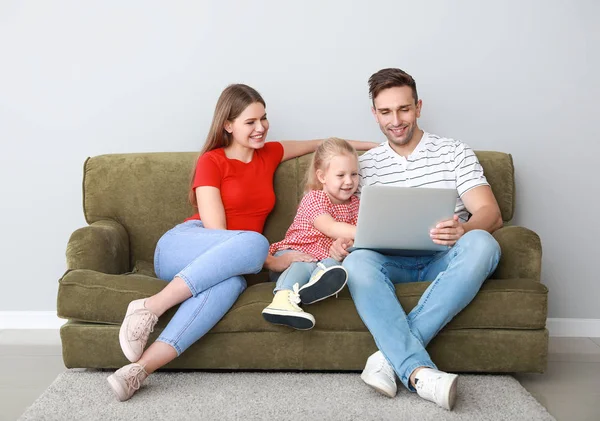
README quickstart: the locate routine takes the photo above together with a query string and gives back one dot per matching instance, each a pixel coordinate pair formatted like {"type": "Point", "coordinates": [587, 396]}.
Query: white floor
{"type": "Point", "coordinates": [570, 389]}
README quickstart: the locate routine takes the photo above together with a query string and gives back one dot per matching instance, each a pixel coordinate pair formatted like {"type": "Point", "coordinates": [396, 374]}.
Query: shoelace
{"type": "Point", "coordinates": [294, 297]}
{"type": "Point", "coordinates": [132, 377]}
{"type": "Point", "coordinates": [145, 326]}
{"type": "Point", "coordinates": [318, 273]}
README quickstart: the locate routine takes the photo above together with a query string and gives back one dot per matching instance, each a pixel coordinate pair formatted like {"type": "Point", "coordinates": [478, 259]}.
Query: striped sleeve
{"type": "Point", "coordinates": [360, 184]}
{"type": "Point", "coordinates": [468, 170]}
{"type": "Point", "coordinates": [365, 163]}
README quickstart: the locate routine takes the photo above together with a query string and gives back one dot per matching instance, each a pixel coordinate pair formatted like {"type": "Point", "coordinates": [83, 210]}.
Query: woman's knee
{"type": "Point", "coordinates": [235, 285]}
{"type": "Point", "coordinates": [255, 241]}
{"type": "Point", "coordinates": [256, 248]}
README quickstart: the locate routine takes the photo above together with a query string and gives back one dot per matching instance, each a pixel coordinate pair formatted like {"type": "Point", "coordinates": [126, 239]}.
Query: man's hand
{"type": "Point", "coordinates": [338, 249]}
{"type": "Point", "coordinates": [281, 263]}
{"type": "Point", "coordinates": [447, 232]}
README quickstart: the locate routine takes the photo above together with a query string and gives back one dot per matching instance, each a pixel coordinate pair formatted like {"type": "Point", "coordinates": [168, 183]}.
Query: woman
{"type": "Point", "coordinates": [205, 257]}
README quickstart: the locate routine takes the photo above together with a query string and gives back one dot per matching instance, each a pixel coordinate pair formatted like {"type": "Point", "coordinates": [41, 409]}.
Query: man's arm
{"type": "Point", "coordinates": [485, 215]}
{"type": "Point", "coordinates": [484, 210]}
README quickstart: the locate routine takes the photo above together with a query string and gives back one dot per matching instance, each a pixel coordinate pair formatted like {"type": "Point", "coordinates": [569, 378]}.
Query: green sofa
{"type": "Point", "coordinates": [130, 200]}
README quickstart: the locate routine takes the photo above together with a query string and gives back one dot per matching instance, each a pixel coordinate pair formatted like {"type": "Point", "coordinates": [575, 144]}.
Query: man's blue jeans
{"type": "Point", "coordinates": [457, 275]}
{"type": "Point", "coordinates": [211, 262]}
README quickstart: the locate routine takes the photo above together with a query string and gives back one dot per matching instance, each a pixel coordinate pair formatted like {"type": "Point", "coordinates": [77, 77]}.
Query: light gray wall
{"type": "Point", "coordinates": [84, 78]}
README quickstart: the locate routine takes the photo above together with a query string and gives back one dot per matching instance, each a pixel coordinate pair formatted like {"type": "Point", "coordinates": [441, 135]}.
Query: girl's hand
{"type": "Point", "coordinates": [281, 263]}
{"type": "Point", "coordinates": [338, 248]}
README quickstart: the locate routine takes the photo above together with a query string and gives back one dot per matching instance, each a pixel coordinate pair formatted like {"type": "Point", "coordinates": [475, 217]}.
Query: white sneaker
{"type": "Point", "coordinates": [323, 283]}
{"type": "Point", "coordinates": [380, 375]}
{"type": "Point", "coordinates": [437, 386]}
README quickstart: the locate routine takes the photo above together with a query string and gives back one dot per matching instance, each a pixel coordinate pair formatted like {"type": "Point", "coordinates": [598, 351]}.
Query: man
{"type": "Point", "coordinates": [414, 158]}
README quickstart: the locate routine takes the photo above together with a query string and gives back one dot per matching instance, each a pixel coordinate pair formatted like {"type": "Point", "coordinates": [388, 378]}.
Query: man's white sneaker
{"type": "Point", "coordinates": [437, 386]}
{"type": "Point", "coordinates": [323, 283]}
{"type": "Point", "coordinates": [380, 375]}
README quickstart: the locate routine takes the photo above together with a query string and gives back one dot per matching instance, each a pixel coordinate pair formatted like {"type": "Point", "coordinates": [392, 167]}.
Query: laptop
{"type": "Point", "coordinates": [396, 220]}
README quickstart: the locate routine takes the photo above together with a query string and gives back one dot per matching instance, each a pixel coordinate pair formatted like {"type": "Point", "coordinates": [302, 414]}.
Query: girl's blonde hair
{"type": "Point", "coordinates": [233, 101]}
{"type": "Point", "coordinates": [322, 157]}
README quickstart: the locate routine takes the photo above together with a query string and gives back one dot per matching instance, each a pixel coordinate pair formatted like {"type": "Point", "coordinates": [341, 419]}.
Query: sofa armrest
{"type": "Point", "coordinates": [521, 253]}
{"type": "Point", "coordinates": [102, 246]}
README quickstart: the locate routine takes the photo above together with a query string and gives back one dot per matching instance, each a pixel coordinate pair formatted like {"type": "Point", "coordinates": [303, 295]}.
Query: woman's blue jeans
{"type": "Point", "coordinates": [211, 262]}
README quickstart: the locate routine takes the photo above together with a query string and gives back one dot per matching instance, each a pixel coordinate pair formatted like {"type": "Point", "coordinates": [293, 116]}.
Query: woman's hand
{"type": "Point", "coordinates": [282, 262]}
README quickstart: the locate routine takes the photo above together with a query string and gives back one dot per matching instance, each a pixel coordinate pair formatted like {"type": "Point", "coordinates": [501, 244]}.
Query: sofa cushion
{"type": "Point", "coordinates": [147, 193]}
{"type": "Point", "coordinates": [91, 296]}
{"type": "Point", "coordinates": [459, 350]}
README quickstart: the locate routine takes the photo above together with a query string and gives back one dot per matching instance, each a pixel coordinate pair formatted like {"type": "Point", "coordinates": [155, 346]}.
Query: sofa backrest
{"type": "Point", "coordinates": [147, 193]}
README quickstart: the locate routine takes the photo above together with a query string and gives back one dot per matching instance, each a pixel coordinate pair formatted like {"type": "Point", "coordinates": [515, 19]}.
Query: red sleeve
{"type": "Point", "coordinates": [313, 204]}
{"type": "Point", "coordinates": [355, 208]}
{"type": "Point", "coordinates": [273, 152]}
{"type": "Point", "coordinates": [208, 172]}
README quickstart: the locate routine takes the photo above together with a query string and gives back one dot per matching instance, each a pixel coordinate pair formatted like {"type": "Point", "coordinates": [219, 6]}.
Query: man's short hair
{"type": "Point", "coordinates": [391, 78]}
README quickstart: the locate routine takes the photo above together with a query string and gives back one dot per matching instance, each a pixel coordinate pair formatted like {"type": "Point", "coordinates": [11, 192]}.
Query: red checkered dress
{"type": "Point", "coordinates": [302, 234]}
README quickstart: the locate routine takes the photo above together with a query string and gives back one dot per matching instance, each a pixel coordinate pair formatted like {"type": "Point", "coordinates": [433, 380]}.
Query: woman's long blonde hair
{"type": "Point", "coordinates": [322, 157]}
{"type": "Point", "coordinates": [233, 101]}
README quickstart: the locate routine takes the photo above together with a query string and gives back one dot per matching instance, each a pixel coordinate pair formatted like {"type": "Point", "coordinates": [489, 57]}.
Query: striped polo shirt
{"type": "Point", "coordinates": [436, 162]}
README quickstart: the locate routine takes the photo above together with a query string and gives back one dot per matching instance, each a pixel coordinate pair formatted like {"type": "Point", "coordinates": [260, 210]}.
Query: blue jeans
{"type": "Point", "coordinates": [211, 263]}
{"type": "Point", "coordinates": [457, 275]}
{"type": "Point", "coordinates": [298, 272]}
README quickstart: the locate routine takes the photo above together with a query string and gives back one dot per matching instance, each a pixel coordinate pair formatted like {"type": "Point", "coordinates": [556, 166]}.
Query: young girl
{"type": "Point", "coordinates": [203, 259]}
{"type": "Point", "coordinates": [328, 210]}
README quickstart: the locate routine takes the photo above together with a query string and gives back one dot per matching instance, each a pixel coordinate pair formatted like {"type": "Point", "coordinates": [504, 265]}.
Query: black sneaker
{"type": "Point", "coordinates": [324, 282]}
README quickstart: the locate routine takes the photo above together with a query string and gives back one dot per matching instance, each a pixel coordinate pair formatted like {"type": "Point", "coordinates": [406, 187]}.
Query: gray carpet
{"type": "Point", "coordinates": [85, 395]}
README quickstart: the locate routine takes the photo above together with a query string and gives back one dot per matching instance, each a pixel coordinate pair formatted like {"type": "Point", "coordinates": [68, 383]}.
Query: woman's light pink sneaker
{"type": "Point", "coordinates": [137, 325]}
{"type": "Point", "coordinates": [127, 380]}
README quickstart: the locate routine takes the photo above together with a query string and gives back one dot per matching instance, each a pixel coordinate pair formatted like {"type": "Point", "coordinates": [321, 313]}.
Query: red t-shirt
{"type": "Point", "coordinates": [246, 188]}
{"type": "Point", "coordinates": [302, 234]}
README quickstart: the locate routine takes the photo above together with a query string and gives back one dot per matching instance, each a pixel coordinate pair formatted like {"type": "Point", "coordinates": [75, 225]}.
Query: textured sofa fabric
{"type": "Point", "coordinates": [130, 200]}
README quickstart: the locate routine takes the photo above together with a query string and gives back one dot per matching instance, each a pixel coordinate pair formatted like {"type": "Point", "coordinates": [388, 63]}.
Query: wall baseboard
{"type": "Point", "coordinates": [30, 320]}
{"type": "Point", "coordinates": [589, 328]}
{"type": "Point", "coordinates": [585, 328]}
